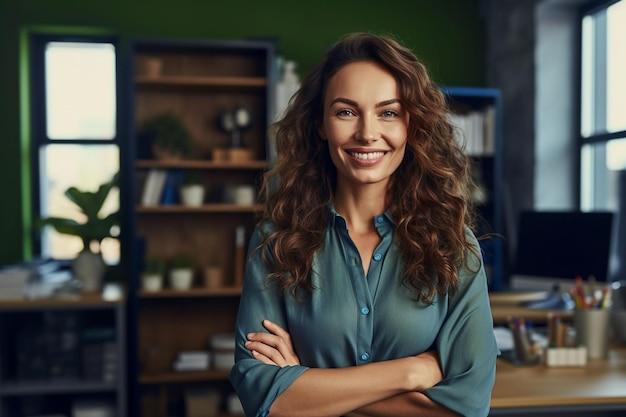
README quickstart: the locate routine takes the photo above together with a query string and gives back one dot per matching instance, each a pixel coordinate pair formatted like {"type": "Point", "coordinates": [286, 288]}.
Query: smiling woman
{"type": "Point", "coordinates": [366, 241]}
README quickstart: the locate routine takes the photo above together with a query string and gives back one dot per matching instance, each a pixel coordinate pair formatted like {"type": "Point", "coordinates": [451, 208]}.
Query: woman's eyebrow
{"type": "Point", "coordinates": [355, 104]}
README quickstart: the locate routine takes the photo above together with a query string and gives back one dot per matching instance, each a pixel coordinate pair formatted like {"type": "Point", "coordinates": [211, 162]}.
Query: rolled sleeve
{"type": "Point", "coordinates": [467, 347]}
{"type": "Point", "coordinates": [258, 384]}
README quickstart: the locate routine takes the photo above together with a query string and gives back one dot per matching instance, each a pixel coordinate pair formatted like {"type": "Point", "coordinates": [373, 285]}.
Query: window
{"type": "Point", "coordinates": [75, 133]}
{"type": "Point", "coordinates": [603, 104]}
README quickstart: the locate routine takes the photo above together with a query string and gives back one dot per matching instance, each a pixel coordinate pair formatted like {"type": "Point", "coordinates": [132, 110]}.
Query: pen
{"type": "Point", "coordinates": [606, 298]}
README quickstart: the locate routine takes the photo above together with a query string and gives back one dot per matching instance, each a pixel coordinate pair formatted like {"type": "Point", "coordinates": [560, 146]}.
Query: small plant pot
{"type": "Point", "coordinates": [213, 277]}
{"type": "Point", "coordinates": [152, 282]}
{"type": "Point", "coordinates": [181, 278]}
{"type": "Point", "coordinates": [151, 67]}
{"type": "Point", "coordinates": [192, 195]}
{"type": "Point", "coordinates": [89, 268]}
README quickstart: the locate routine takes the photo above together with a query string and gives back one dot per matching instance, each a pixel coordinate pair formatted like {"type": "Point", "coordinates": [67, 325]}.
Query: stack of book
{"type": "Point", "coordinates": [223, 349]}
{"type": "Point", "coordinates": [13, 282]}
{"type": "Point", "coordinates": [192, 361]}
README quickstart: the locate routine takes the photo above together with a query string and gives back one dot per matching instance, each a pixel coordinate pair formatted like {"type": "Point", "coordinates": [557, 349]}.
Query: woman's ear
{"type": "Point", "coordinates": [321, 131]}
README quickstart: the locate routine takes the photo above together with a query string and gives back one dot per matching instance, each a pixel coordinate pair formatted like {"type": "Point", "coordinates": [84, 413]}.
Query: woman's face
{"type": "Point", "coordinates": [365, 124]}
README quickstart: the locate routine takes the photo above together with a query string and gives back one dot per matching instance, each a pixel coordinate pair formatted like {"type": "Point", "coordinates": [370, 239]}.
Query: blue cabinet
{"type": "Point", "coordinates": [477, 114]}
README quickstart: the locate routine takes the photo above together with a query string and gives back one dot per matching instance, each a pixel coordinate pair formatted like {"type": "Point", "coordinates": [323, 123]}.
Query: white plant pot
{"type": "Point", "coordinates": [192, 195]}
{"type": "Point", "coordinates": [152, 282]}
{"type": "Point", "coordinates": [181, 278]}
{"type": "Point", "coordinates": [89, 268]}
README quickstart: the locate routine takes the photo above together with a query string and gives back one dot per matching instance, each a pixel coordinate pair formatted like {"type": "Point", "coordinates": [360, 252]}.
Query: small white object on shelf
{"type": "Point", "coordinates": [566, 356]}
{"type": "Point", "coordinates": [192, 361]}
{"type": "Point", "coordinates": [223, 349]}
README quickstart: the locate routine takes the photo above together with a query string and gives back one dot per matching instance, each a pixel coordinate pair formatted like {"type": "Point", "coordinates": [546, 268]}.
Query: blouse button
{"type": "Point", "coordinates": [379, 219]}
{"type": "Point", "coordinates": [365, 311]}
{"type": "Point", "coordinates": [365, 356]}
{"type": "Point", "coordinates": [378, 257]}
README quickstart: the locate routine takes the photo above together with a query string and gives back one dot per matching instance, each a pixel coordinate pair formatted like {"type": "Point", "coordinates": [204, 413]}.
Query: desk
{"type": "Point", "coordinates": [599, 386]}
{"type": "Point", "coordinates": [598, 389]}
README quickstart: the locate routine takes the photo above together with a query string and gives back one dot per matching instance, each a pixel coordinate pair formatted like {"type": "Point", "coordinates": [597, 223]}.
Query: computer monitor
{"type": "Point", "coordinates": [553, 248]}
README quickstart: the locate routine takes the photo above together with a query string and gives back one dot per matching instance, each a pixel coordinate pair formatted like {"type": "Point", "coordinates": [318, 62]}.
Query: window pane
{"type": "Point", "coordinates": [85, 167]}
{"type": "Point", "coordinates": [587, 74]}
{"type": "Point", "coordinates": [80, 90]}
{"type": "Point", "coordinates": [616, 67]}
{"type": "Point", "coordinates": [616, 154]}
{"type": "Point", "coordinates": [599, 179]}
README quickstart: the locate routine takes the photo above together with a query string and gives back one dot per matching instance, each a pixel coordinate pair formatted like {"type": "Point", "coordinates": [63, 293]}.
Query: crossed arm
{"type": "Point", "coordinates": [377, 389]}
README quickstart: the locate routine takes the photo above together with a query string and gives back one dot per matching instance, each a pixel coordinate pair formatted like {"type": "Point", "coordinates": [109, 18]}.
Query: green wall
{"type": "Point", "coordinates": [447, 35]}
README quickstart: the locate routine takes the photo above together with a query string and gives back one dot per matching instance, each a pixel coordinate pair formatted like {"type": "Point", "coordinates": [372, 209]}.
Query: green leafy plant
{"type": "Point", "coordinates": [154, 266]}
{"type": "Point", "coordinates": [181, 260]}
{"type": "Point", "coordinates": [191, 178]}
{"type": "Point", "coordinates": [94, 228]}
{"type": "Point", "coordinates": [167, 134]}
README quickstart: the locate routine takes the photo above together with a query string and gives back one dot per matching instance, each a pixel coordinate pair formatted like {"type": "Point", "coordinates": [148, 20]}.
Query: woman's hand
{"type": "Point", "coordinates": [274, 348]}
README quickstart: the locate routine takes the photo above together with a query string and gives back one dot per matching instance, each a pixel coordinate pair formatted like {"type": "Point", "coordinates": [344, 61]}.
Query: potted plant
{"type": "Point", "coordinates": [152, 275]}
{"type": "Point", "coordinates": [181, 271]}
{"type": "Point", "coordinates": [168, 137]}
{"type": "Point", "coordinates": [88, 266]}
{"type": "Point", "coordinates": [192, 189]}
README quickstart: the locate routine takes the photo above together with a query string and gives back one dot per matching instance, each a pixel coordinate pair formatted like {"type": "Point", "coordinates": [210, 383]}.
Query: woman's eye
{"type": "Point", "coordinates": [345, 112]}
{"type": "Point", "coordinates": [389, 113]}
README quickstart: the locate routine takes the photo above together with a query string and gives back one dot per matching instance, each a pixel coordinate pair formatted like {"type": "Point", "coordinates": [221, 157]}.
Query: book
{"type": "Point", "coordinates": [172, 183]}
{"type": "Point", "coordinates": [192, 361]}
{"type": "Point", "coordinates": [200, 355]}
{"type": "Point", "coordinates": [13, 282]}
{"type": "Point", "coordinates": [153, 187]}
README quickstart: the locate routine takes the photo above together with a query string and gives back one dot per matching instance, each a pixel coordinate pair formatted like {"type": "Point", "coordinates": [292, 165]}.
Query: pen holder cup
{"type": "Point", "coordinates": [592, 331]}
{"type": "Point", "coordinates": [618, 312]}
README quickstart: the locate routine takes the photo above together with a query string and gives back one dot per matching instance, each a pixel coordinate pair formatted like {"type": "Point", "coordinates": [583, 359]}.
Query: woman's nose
{"type": "Point", "coordinates": [367, 131]}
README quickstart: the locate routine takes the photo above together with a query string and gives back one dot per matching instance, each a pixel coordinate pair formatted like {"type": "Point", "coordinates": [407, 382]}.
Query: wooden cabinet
{"type": "Point", "coordinates": [199, 83]}
{"type": "Point", "coordinates": [56, 355]}
{"type": "Point", "coordinates": [477, 113]}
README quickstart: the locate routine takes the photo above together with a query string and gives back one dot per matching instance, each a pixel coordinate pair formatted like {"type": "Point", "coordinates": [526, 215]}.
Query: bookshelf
{"type": "Point", "coordinates": [477, 112]}
{"type": "Point", "coordinates": [198, 82]}
{"type": "Point", "coordinates": [58, 353]}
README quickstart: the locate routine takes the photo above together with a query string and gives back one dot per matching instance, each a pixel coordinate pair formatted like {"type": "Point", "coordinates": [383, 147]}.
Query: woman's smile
{"type": "Point", "coordinates": [366, 157]}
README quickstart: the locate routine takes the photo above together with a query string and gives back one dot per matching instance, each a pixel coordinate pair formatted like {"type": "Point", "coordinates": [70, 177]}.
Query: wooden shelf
{"type": "Point", "coordinates": [195, 81]}
{"type": "Point", "coordinates": [181, 377]}
{"type": "Point", "coordinates": [194, 292]}
{"type": "Point", "coordinates": [201, 164]}
{"type": "Point", "coordinates": [55, 387]}
{"type": "Point", "coordinates": [78, 302]}
{"type": "Point", "coordinates": [207, 208]}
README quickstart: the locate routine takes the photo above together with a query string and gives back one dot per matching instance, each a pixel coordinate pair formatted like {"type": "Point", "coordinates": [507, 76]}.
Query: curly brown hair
{"type": "Point", "coordinates": [428, 195]}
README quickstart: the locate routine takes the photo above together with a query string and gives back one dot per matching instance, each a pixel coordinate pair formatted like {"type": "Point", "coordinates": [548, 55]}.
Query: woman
{"type": "Point", "coordinates": [365, 293]}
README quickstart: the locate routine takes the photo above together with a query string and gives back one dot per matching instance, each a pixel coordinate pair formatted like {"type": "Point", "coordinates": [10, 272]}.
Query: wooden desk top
{"type": "Point", "coordinates": [601, 382]}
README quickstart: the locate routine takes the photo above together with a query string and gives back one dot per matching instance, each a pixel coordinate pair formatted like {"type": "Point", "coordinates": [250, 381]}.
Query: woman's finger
{"type": "Point", "coordinates": [275, 345]}
{"type": "Point", "coordinates": [285, 345]}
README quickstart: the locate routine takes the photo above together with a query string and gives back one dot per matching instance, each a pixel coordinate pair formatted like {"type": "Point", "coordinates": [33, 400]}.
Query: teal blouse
{"type": "Point", "coordinates": [350, 319]}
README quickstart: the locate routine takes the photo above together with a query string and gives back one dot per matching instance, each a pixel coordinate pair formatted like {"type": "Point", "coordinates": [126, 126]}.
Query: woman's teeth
{"type": "Point", "coordinates": [367, 155]}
